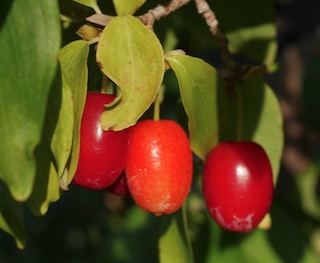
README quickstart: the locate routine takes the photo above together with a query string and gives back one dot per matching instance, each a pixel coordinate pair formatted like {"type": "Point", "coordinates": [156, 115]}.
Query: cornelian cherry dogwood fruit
{"type": "Point", "coordinates": [120, 186]}
{"type": "Point", "coordinates": [102, 154]}
{"type": "Point", "coordinates": [159, 166]}
{"type": "Point", "coordinates": [238, 185]}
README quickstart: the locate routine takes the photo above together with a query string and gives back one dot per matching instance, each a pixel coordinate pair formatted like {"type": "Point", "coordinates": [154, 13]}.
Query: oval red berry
{"type": "Point", "coordinates": [159, 166]}
{"type": "Point", "coordinates": [102, 153]}
{"type": "Point", "coordinates": [238, 185]}
{"type": "Point", "coordinates": [120, 186]}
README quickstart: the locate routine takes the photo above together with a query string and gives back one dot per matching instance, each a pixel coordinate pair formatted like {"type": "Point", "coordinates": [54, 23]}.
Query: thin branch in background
{"type": "Point", "coordinates": [210, 17]}
{"type": "Point", "coordinates": [160, 11]}
{"type": "Point", "coordinates": [212, 21]}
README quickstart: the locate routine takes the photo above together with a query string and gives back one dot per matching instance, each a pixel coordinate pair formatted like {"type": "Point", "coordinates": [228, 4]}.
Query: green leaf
{"type": "Point", "coordinates": [250, 28]}
{"type": "Point", "coordinates": [11, 217]}
{"type": "Point", "coordinates": [73, 61]}
{"type": "Point", "coordinates": [307, 184]}
{"type": "Point", "coordinates": [217, 245]}
{"type": "Point", "coordinates": [287, 224]}
{"type": "Point", "coordinates": [61, 143]}
{"type": "Point", "coordinates": [46, 185]}
{"type": "Point", "coordinates": [90, 3]}
{"type": "Point", "coordinates": [198, 88]}
{"type": "Point", "coordinates": [28, 64]}
{"type": "Point", "coordinates": [131, 56]}
{"type": "Point", "coordinates": [251, 112]}
{"type": "Point", "coordinates": [47, 192]}
{"type": "Point", "coordinates": [173, 245]}
{"type": "Point", "coordinates": [125, 7]}
{"type": "Point", "coordinates": [258, 43]}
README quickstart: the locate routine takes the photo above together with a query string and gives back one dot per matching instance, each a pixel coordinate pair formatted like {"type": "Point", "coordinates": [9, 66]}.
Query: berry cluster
{"type": "Point", "coordinates": [152, 161]}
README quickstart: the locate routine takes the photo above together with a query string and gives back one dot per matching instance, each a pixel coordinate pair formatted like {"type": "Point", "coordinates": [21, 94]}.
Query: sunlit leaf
{"type": "Point", "coordinates": [90, 3]}
{"type": "Point", "coordinates": [173, 246]}
{"type": "Point", "coordinates": [131, 56]}
{"type": "Point", "coordinates": [88, 32]}
{"type": "Point", "coordinates": [11, 217]}
{"type": "Point", "coordinates": [125, 7]}
{"type": "Point", "coordinates": [28, 64]}
{"type": "Point", "coordinates": [251, 111]}
{"type": "Point", "coordinates": [198, 88]}
{"type": "Point", "coordinates": [73, 61]}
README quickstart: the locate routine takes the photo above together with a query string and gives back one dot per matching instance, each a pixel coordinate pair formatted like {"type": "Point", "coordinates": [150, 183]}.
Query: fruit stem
{"type": "Point", "coordinates": [186, 231]}
{"type": "Point", "coordinates": [239, 113]}
{"type": "Point", "coordinates": [156, 108]}
{"type": "Point", "coordinates": [104, 84]}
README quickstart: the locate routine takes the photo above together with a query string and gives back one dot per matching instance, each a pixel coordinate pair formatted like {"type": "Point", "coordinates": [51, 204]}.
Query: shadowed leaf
{"type": "Point", "coordinates": [251, 112]}
{"type": "Point", "coordinates": [11, 217]}
{"type": "Point", "coordinates": [66, 140]}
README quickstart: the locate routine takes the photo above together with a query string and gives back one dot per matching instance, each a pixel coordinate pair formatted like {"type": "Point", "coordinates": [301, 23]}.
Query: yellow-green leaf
{"type": "Point", "coordinates": [198, 87]}
{"type": "Point", "coordinates": [132, 57]}
{"type": "Point", "coordinates": [61, 143]}
{"type": "Point", "coordinates": [65, 144]}
{"type": "Point", "coordinates": [46, 191]}
{"type": "Point", "coordinates": [125, 7]}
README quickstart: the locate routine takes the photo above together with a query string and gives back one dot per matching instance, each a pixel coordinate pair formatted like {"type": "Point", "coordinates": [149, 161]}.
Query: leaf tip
{"type": "Point", "coordinates": [63, 181]}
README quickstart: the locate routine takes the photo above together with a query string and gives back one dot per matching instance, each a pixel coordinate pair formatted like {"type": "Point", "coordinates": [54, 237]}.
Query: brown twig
{"type": "Point", "coordinates": [210, 17]}
{"type": "Point", "coordinates": [212, 21]}
{"type": "Point", "coordinates": [160, 11]}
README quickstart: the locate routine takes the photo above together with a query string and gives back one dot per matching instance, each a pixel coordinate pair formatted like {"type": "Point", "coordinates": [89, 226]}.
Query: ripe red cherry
{"type": "Point", "coordinates": [238, 185]}
{"type": "Point", "coordinates": [159, 166]}
{"type": "Point", "coordinates": [120, 186]}
{"type": "Point", "coordinates": [102, 153]}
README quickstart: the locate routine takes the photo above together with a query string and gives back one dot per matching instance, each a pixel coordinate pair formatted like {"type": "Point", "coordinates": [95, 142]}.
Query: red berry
{"type": "Point", "coordinates": [159, 166]}
{"type": "Point", "coordinates": [120, 186]}
{"type": "Point", "coordinates": [102, 153]}
{"type": "Point", "coordinates": [238, 185]}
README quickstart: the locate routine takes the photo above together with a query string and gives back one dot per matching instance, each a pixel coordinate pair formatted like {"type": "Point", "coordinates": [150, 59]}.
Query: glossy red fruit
{"type": "Point", "coordinates": [102, 153]}
{"type": "Point", "coordinates": [120, 186]}
{"type": "Point", "coordinates": [159, 166]}
{"type": "Point", "coordinates": [238, 185]}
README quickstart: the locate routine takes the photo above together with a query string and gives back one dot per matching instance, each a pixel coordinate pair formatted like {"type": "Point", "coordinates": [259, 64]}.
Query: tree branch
{"type": "Point", "coordinates": [212, 21]}
{"type": "Point", "coordinates": [210, 17]}
{"type": "Point", "coordinates": [160, 11]}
